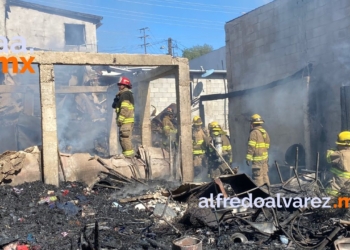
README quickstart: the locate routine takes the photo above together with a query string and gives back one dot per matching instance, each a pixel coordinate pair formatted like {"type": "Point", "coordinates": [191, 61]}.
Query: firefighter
{"type": "Point", "coordinates": [339, 172]}
{"type": "Point", "coordinates": [198, 139]}
{"type": "Point", "coordinates": [169, 130]}
{"type": "Point", "coordinates": [124, 107]}
{"type": "Point", "coordinates": [221, 143]}
{"type": "Point", "coordinates": [257, 153]}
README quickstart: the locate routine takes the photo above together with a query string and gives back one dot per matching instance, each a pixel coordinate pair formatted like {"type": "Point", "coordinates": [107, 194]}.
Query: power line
{"type": "Point", "coordinates": [173, 22]}
{"type": "Point", "coordinates": [144, 38]}
{"type": "Point", "coordinates": [177, 7]}
{"type": "Point", "coordinates": [152, 16]}
{"type": "Point", "coordinates": [201, 4]}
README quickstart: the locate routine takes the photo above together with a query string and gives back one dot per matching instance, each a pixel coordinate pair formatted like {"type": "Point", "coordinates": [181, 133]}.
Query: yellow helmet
{"type": "Point", "coordinates": [343, 138]}
{"type": "Point", "coordinates": [214, 126]}
{"type": "Point", "coordinates": [256, 119]}
{"type": "Point", "coordinates": [197, 120]}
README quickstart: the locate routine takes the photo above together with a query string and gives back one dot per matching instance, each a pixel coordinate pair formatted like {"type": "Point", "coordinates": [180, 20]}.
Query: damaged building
{"type": "Point", "coordinates": [90, 200]}
{"type": "Point", "coordinates": [56, 30]}
{"type": "Point", "coordinates": [286, 62]}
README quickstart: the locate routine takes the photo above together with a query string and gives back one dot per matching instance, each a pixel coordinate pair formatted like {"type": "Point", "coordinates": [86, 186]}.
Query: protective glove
{"type": "Point", "coordinates": [248, 162]}
{"type": "Point", "coordinates": [119, 124]}
{"type": "Point", "coordinates": [115, 102]}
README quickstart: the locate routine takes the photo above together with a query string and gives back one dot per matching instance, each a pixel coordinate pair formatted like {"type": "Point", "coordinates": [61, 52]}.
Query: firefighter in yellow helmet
{"type": "Point", "coordinates": [339, 172]}
{"type": "Point", "coordinates": [169, 130]}
{"type": "Point", "coordinates": [222, 145]}
{"type": "Point", "coordinates": [257, 152]}
{"type": "Point", "coordinates": [198, 142]}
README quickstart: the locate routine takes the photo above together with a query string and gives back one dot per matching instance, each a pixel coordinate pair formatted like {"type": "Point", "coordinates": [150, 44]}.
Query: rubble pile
{"type": "Point", "coordinates": [164, 214]}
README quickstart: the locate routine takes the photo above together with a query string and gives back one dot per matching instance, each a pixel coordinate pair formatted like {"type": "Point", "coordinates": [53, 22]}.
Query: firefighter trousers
{"type": "Point", "coordinates": [125, 137]}
{"type": "Point", "coordinates": [336, 183]}
{"type": "Point", "coordinates": [260, 173]}
{"type": "Point", "coordinates": [199, 164]}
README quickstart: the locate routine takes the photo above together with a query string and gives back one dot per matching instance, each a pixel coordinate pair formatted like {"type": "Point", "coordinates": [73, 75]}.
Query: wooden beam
{"type": "Point", "coordinates": [81, 89]}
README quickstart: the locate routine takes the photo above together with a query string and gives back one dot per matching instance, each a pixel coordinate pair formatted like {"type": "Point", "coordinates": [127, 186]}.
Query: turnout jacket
{"type": "Point", "coordinates": [124, 107]}
{"type": "Point", "coordinates": [258, 145]}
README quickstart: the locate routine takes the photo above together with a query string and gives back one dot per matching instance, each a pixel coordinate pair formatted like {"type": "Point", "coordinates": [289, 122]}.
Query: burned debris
{"type": "Point", "coordinates": [121, 212]}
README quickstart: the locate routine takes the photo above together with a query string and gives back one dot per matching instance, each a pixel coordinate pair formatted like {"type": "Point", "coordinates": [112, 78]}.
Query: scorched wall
{"type": "Point", "coordinates": [273, 42]}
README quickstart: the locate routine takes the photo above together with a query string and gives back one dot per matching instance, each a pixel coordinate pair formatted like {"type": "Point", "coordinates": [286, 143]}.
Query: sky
{"type": "Point", "coordinates": [187, 23]}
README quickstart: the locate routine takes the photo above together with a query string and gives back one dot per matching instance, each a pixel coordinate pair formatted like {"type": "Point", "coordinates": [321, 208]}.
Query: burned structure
{"type": "Point", "coordinates": [286, 62]}
{"type": "Point", "coordinates": [64, 30]}
{"type": "Point", "coordinates": [50, 143]}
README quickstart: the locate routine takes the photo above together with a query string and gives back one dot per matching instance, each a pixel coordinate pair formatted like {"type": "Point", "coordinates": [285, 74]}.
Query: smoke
{"type": "Point", "coordinates": [20, 112]}
{"type": "Point", "coordinates": [81, 117]}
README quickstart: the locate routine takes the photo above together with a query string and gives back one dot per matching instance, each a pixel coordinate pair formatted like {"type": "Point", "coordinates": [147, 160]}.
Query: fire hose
{"type": "Point", "coordinates": [228, 166]}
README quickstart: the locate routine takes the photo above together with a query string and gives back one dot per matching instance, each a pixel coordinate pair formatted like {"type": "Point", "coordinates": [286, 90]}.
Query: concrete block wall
{"type": "Point", "coordinates": [162, 93]}
{"type": "Point", "coordinates": [275, 41]}
{"type": "Point", "coordinates": [216, 110]}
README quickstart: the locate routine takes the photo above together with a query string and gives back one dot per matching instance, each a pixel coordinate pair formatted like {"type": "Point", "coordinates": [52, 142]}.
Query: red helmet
{"type": "Point", "coordinates": [124, 81]}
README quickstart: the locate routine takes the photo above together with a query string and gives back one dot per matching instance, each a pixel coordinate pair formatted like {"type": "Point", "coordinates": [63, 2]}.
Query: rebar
{"type": "Point", "coordinates": [279, 172]}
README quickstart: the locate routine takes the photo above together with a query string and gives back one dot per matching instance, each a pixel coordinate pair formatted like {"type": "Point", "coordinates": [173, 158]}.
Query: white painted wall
{"type": "Point", "coordinates": [46, 31]}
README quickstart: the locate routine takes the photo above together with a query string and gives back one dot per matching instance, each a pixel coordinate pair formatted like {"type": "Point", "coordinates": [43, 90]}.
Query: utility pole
{"type": "Point", "coordinates": [170, 46]}
{"type": "Point", "coordinates": [144, 38]}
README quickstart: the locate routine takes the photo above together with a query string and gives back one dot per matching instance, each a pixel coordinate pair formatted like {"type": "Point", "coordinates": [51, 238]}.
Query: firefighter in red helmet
{"type": "Point", "coordinates": [124, 107]}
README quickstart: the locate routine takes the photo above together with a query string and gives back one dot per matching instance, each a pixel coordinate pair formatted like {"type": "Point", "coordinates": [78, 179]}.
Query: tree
{"type": "Point", "coordinates": [197, 51]}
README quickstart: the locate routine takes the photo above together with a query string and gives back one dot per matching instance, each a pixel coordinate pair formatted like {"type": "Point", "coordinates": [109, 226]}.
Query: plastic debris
{"type": "Point", "coordinates": [81, 198]}
{"type": "Point", "coordinates": [140, 207]}
{"type": "Point", "coordinates": [69, 208]}
{"type": "Point", "coordinates": [284, 239]}
{"type": "Point", "coordinates": [116, 204]}
{"type": "Point", "coordinates": [65, 192]}
{"type": "Point", "coordinates": [48, 199]}
{"type": "Point", "coordinates": [22, 247]}
{"type": "Point", "coordinates": [17, 191]}
{"type": "Point", "coordinates": [64, 234]}
{"type": "Point", "coordinates": [30, 238]}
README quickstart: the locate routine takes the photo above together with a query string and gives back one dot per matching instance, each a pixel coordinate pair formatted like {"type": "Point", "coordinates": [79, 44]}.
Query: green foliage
{"type": "Point", "coordinates": [197, 51]}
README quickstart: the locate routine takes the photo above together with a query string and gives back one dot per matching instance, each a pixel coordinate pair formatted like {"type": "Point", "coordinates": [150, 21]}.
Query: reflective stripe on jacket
{"type": "Point", "coordinates": [258, 145]}
{"type": "Point", "coordinates": [198, 137]}
{"type": "Point", "coordinates": [125, 107]}
{"type": "Point", "coordinates": [168, 126]}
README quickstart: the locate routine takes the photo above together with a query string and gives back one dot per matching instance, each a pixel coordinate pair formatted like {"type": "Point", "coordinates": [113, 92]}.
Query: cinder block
{"type": "Point", "coordinates": [311, 5]}
{"type": "Point", "coordinates": [154, 89]}
{"type": "Point", "coordinates": [338, 15]}
{"type": "Point", "coordinates": [168, 94]}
